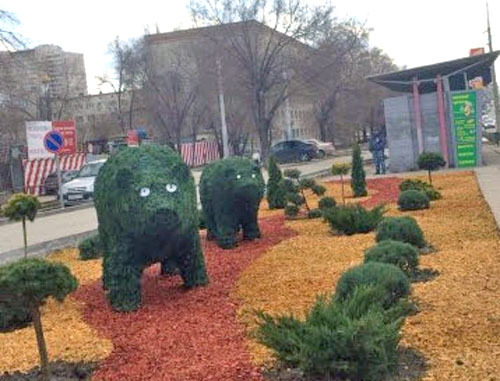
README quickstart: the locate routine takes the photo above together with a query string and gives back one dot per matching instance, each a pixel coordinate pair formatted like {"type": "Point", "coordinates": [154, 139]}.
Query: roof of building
{"type": "Point", "coordinates": [474, 66]}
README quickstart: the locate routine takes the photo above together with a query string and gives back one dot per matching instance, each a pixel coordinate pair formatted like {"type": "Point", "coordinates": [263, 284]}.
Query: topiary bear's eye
{"type": "Point", "coordinates": [238, 177]}
{"type": "Point", "coordinates": [254, 175]}
{"type": "Point", "coordinates": [171, 188]}
{"type": "Point", "coordinates": [144, 192]}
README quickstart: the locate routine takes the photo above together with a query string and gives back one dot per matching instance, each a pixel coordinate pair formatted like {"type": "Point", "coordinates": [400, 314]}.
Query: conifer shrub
{"type": "Point", "coordinates": [354, 338]}
{"type": "Point", "coordinates": [403, 229]}
{"type": "Point", "coordinates": [90, 248]}
{"type": "Point", "coordinates": [415, 184]}
{"type": "Point", "coordinates": [358, 181]}
{"type": "Point", "coordinates": [400, 254]}
{"type": "Point", "coordinates": [391, 282]}
{"type": "Point", "coordinates": [295, 189]}
{"type": "Point", "coordinates": [314, 213]}
{"type": "Point", "coordinates": [276, 194]}
{"type": "Point", "coordinates": [353, 219]}
{"type": "Point", "coordinates": [327, 203]}
{"type": "Point", "coordinates": [413, 200]}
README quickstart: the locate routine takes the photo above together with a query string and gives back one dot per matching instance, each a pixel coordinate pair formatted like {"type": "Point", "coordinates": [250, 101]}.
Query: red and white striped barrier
{"type": "Point", "coordinates": [36, 171]}
{"type": "Point", "coordinates": [204, 152]}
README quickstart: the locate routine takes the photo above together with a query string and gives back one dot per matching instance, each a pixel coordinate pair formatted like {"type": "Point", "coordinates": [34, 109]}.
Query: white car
{"type": "Point", "coordinates": [324, 148]}
{"type": "Point", "coordinates": [81, 188]}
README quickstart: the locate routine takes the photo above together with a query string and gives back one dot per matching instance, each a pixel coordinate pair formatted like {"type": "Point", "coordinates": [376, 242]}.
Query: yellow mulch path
{"type": "Point", "coordinates": [68, 337]}
{"type": "Point", "coordinates": [458, 328]}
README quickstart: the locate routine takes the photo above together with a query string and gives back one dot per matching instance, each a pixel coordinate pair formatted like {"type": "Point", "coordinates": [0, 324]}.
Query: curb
{"type": "Point", "coordinates": [44, 248]}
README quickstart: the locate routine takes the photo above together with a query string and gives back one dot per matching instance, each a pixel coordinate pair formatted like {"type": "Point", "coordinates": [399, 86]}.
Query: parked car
{"type": "Point", "coordinates": [294, 150]}
{"type": "Point", "coordinates": [50, 183]}
{"type": "Point", "coordinates": [81, 188]}
{"type": "Point", "coordinates": [324, 148]}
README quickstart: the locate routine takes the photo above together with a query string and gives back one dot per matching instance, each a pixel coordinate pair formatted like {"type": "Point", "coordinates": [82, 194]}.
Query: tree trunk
{"type": "Point", "coordinates": [342, 184]}
{"type": "Point", "coordinates": [430, 178]}
{"type": "Point", "coordinates": [42, 347]}
{"type": "Point", "coordinates": [25, 238]}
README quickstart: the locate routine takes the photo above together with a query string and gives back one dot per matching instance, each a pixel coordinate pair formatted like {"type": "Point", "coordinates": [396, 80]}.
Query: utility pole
{"type": "Point", "coordinates": [493, 75]}
{"type": "Point", "coordinates": [225, 142]}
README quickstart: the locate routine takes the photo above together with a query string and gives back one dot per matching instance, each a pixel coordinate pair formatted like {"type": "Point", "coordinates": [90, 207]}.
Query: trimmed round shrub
{"type": "Point", "coordinates": [403, 229]}
{"type": "Point", "coordinates": [327, 203]}
{"type": "Point", "coordinates": [352, 219]}
{"type": "Point", "coordinates": [393, 284]}
{"type": "Point", "coordinates": [415, 184]}
{"type": "Point", "coordinates": [291, 210]}
{"type": "Point", "coordinates": [400, 254]}
{"type": "Point", "coordinates": [314, 213]}
{"type": "Point", "coordinates": [413, 200]}
{"type": "Point", "coordinates": [90, 248]}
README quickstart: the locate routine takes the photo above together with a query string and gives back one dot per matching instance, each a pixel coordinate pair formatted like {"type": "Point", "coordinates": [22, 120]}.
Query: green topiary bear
{"type": "Point", "coordinates": [230, 191]}
{"type": "Point", "coordinates": [145, 199]}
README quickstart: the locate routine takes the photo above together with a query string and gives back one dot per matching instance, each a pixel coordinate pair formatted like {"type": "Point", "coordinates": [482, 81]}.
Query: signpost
{"type": "Point", "coordinates": [464, 112]}
{"type": "Point", "coordinates": [54, 143]}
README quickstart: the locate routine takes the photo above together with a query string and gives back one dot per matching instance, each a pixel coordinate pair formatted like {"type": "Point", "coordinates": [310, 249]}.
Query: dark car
{"type": "Point", "coordinates": [294, 150]}
{"type": "Point", "coordinates": [50, 183]}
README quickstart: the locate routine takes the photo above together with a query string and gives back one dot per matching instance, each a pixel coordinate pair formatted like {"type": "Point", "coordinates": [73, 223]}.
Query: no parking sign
{"type": "Point", "coordinates": [53, 141]}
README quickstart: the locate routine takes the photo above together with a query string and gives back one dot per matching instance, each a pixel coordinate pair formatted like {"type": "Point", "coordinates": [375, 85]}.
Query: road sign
{"type": "Point", "coordinates": [68, 131]}
{"type": "Point", "coordinates": [35, 132]}
{"type": "Point", "coordinates": [53, 141]}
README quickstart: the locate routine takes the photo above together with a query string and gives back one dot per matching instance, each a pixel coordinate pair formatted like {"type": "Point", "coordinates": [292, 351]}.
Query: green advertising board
{"type": "Point", "coordinates": [464, 109]}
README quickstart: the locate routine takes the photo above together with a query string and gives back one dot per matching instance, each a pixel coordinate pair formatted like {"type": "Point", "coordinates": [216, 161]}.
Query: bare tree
{"type": "Point", "coordinates": [9, 38]}
{"type": "Point", "coordinates": [129, 76]}
{"type": "Point", "coordinates": [263, 36]}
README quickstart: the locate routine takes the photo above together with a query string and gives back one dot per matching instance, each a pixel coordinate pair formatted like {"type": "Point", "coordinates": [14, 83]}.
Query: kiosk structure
{"type": "Point", "coordinates": [440, 112]}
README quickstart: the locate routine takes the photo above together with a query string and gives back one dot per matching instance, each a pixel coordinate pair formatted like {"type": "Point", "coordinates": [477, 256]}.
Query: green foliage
{"type": "Point", "coordinates": [340, 169]}
{"type": "Point", "coordinates": [327, 203]}
{"type": "Point", "coordinates": [430, 161]}
{"type": "Point", "coordinates": [295, 188]}
{"type": "Point", "coordinates": [415, 184]}
{"type": "Point", "coordinates": [314, 213]}
{"type": "Point", "coordinates": [31, 281]}
{"type": "Point", "coordinates": [90, 248]}
{"type": "Point", "coordinates": [21, 206]}
{"type": "Point", "coordinates": [403, 229]}
{"type": "Point", "coordinates": [352, 219]}
{"type": "Point", "coordinates": [413, 200]}
{"type": "Point", "coordinates": [13, 314]}
{"type": "Point", "coordinates": [292, 173]}
{"type": "Point", "coordinates": [400, 254]}
{"type": "Point", "coordinates": [358, 181]}
{"type": "Point", "coordinates": [353, 339]}
{"type": "Point", "coordinates": [291, 210]}
{"type": "Point", "coordinates": [276, 195]}
{"type": "Point", "coordinates": [392, 283]}
{"type": "Point", "coordinates": [145, 199]}
{"type": "Point", "coordinates": [231, 190]}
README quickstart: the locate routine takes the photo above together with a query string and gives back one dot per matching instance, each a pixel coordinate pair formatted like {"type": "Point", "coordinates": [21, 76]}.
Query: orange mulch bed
{"type": "Point", "coordinates": [458, 327]}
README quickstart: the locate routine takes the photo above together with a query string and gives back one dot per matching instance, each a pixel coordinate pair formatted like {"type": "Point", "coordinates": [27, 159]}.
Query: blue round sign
{"type": "Point", "coordinates": [53, 141]}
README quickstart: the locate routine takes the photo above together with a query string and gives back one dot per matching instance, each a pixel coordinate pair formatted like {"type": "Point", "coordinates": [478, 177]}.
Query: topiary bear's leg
{"type": "Point", "coordinates": [169, 267]}
{"type": "Point", "coordinates": [105, 271]}
{"type": "Point", "coordinates": [191, 263]}
{"type": "Point", "coordinates": [251, 225]}
{"type": "Point", "coordinates": [227, 228]}
{"type": "Point", "coordinates": [123, 282]}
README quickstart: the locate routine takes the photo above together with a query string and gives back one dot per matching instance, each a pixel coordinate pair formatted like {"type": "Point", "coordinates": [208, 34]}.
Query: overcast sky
{"type": "Point", "coordinates": [413, 33]}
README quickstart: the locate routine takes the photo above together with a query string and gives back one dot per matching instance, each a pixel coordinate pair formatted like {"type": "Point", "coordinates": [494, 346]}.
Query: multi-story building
{"type": "Point", "coordinates": [196, 53]}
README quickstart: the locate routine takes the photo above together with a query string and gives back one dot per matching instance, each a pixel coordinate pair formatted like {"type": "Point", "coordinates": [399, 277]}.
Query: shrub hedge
{"type": "Point", "coordinates": [352, 219]}
{"type": "Point", "coordinates": [415, 184]}
{"type": "Point", "coordinates": [400, 254]}
{"type": "Point", "coordinates": [413, 200]}
{"type": "Point", "coordinates": [90, 248]}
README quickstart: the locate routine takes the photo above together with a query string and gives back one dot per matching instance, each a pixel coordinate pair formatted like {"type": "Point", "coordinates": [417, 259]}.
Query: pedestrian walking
{"type": "Point", "coordinates": [377, 148]}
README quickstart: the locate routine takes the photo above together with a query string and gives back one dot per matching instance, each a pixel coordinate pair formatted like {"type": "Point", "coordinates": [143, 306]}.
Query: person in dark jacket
{"type": "Point", "coordinates": [377, 147]}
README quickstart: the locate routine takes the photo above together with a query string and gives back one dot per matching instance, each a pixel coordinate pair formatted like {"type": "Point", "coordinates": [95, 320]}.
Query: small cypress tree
{"type": "Point", "coordinates": [19, 208]}
{"type": "Point", "coordinates": [30, 282]}
{"type": "Point", "coordinates": [430, 161]}
{"type": "Point", "coordinates": [341, 169]}
{"type": "Point", "coordinates": [276, 195]}
{"type": "Point", "coordinates": [358, 181]}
